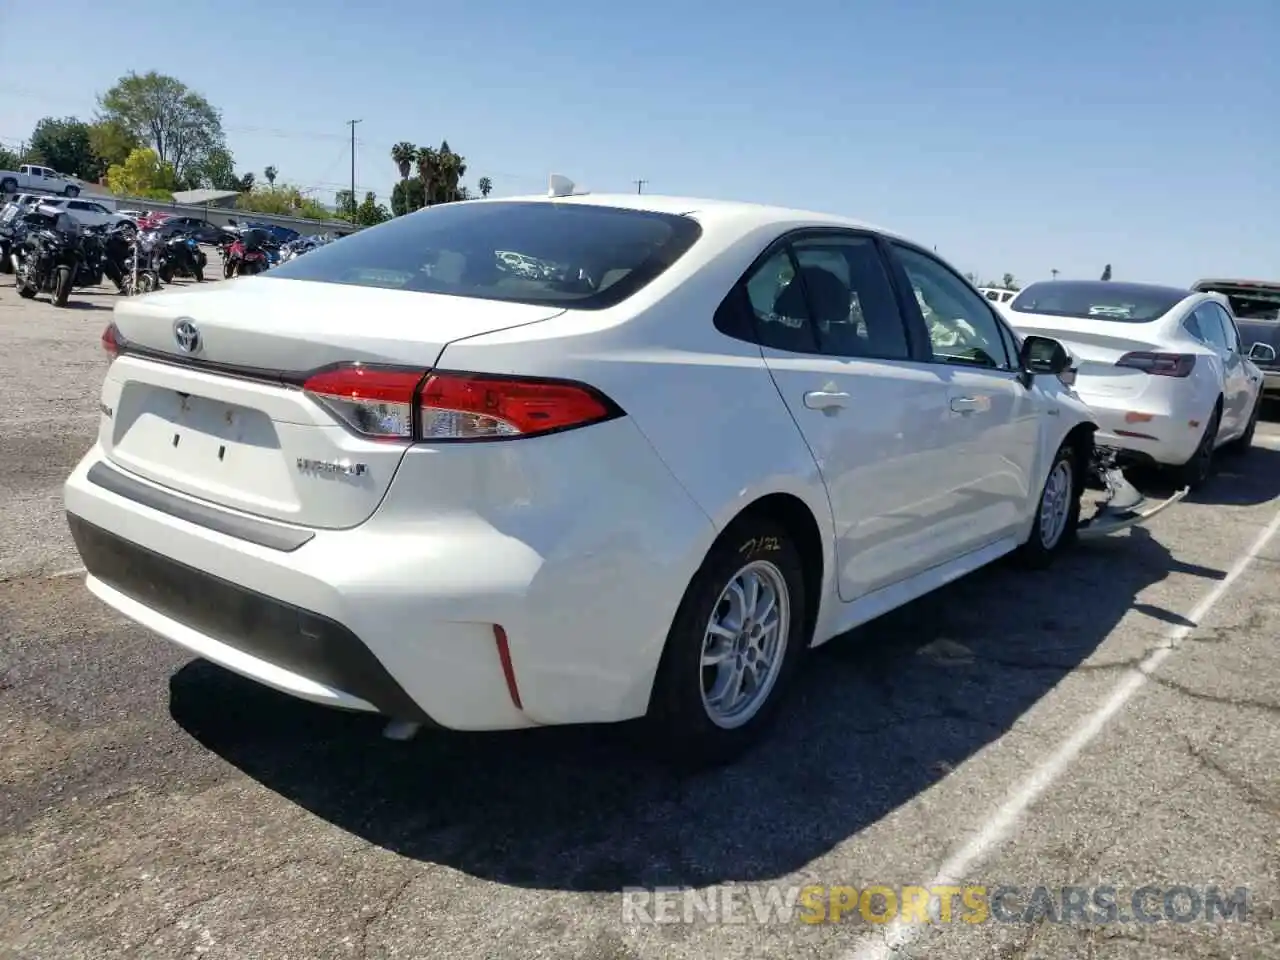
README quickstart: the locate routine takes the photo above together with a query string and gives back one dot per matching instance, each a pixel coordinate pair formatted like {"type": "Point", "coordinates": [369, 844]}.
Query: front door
{"type": "Point", "coordinates": [994, 420]}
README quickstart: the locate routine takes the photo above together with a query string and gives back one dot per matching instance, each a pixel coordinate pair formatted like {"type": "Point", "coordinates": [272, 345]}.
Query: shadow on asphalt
{"type": "Point", "coordinates": [876, 718]}
{"type": "Point", "coordinates": [1238, 480]}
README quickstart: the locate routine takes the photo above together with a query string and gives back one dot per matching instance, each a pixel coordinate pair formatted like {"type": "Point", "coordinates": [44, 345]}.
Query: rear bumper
{"type": "Point", "coordinates": [397, 615]}
{"type": "Point", "coordinates": [303, 653]}
{"type": "Point", "coordinates": [1165, 437]}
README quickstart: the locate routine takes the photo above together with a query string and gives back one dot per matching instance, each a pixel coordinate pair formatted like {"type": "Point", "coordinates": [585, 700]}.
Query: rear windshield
{"type": "Point", "coordinates": [1098, 300]}
{"type": "Point", "coordinates": [571, 255]}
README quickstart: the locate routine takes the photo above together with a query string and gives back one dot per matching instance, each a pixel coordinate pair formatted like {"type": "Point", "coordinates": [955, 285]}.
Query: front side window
{"type": "Point", "coordinates": [565, 254]}
{"type": "Point", "coordinates": [1228, 327]}
{"type": "Point", "coordinates": [962, 328]}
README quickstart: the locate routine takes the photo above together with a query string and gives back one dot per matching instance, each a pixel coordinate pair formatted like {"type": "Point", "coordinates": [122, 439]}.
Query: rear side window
{"type": "Point", "coordinates": [572, 255]}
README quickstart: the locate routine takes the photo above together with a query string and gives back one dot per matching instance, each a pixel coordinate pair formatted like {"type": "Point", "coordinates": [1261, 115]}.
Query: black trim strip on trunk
{"type": "Point", "coordinates": [264, 534]}
{"type": "Point", "coordinates": [291, 637]}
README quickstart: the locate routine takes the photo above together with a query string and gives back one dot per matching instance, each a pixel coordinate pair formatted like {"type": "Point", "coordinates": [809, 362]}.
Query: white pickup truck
{"type": "Point", "coordinates": [32, 177]}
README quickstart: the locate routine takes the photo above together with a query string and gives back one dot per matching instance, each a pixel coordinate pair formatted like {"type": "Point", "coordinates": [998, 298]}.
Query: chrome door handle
{"type": "Point", "coordinates": [965, 404]}
{"type": "Point", "coordinates": [825, 399]}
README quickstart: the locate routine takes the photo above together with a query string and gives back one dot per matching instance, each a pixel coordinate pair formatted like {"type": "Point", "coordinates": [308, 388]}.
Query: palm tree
{"type": "Point", "coordinates": [428, 161]}
{"type": "Point", "coordinates": [403, 155]}
{"type": "Point", "coordinates": [453, 168]}
{"type": "Point", "coordinates": [486, 186]}
{"type": "Point", "coordinates": [1055, 274]}
{"type": "Point", "coordinates": [270, 174]}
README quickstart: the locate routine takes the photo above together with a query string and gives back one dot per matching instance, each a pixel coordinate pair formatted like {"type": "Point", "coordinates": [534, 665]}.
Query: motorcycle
{"type": "Point", "coordinates": [51, 260]}
{"type": "Point", "coordinates": [246, 255]}
{"type": "Point", "coordinates": [181, 256]}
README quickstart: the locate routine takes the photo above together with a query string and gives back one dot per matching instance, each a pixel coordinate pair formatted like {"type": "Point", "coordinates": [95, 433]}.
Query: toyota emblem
{"type": "Point", "coordinates": [187, 336]}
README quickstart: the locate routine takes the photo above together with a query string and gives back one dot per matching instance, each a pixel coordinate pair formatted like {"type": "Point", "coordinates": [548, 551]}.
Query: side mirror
{"type": "Point", "coordinates": [1044, 355]}
{"type": "Point", "coordinates": [1262, 351]}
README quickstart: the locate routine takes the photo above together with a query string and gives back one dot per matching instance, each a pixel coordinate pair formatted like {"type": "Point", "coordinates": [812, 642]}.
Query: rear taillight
{"type": "Point", "coordinates": [468, 406]}
{"type": "Point", "coordinates": [1160, 364]}
{"type": "Point", "coordinates": [394, 403]}
{"type": "Point", "coordinates": [111, 340]}
{"type": "Point", "coordinates": [376, 402]}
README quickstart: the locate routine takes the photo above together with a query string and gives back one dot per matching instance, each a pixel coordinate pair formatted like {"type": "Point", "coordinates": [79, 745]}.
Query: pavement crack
{"type": "Point", "coordinates": [1246, 703]}
{"type": "Point", "coordinates": [1212, 765]}
{"type": "Point", "coordinates": [388, 905]}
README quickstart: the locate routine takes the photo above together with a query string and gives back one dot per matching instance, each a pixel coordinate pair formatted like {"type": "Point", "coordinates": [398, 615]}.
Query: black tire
{"type": "Point", "coordinates": [61, 286]}
{"type": "Point", "coordinates": [71, 192]}
{"type": "Point", "coordinates": [6, 265]}
{"type": "Point", "coordinates": [1244, 443]}
{"type": "Point", "coordinates": [1195, 472]}
{"type": "Point", "coordinates": [165, 274]}
{"type": "Point", "coordinates": [8, 185]}
{"type": "Point", "coordinates": [1045, 544]}
{"type": "Point", "coordinates": [147, 282]}
{"type": "Point", "coordinates": [679, 718]}
{"type": "Point", "coordinates": [27, 293]}
{"type": "Point", "coordinates": [199, 273]}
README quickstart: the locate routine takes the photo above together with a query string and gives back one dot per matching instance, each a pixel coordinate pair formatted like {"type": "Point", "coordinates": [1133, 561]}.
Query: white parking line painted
{"type": "Point", "coordinates": [69, 572]}
{"type": "Point", "coordinates": [897, 935]}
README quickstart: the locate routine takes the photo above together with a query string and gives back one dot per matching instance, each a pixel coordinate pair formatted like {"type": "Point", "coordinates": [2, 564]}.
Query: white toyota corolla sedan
{"type": "Point", "coordinates": [635, 479]}
{"type": "Point", "coordinates": [1162, 368]}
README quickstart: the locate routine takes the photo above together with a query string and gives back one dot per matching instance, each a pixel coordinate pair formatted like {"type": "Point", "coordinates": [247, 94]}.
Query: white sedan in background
{"type": "Point", "coordinates": [1162, 368]}
{"type": "Point", "coordinates": [399, 475]}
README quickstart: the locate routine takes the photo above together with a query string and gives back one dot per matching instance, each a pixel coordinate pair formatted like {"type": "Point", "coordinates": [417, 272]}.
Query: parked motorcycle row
{"type": "Point", "coordinates": [50, 252]}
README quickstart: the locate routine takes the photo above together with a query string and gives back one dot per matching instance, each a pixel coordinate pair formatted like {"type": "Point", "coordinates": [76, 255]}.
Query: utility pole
{"type": "Point", "coordinates": [352, 125]}
{"type": "Point", "coordinates": [639, 185]}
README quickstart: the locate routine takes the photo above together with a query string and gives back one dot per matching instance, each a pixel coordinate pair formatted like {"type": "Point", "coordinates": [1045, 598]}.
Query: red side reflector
{"type": "Point", "coordinates": [1160, 364]}
{"type": "Point", "coordinates": [111, 340]}
{"type": "Point", "coordinates": [508, 671]}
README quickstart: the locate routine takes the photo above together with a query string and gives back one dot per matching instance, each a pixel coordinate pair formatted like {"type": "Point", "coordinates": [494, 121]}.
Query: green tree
{"type": "Point", "coordinates": [270, 174]}
{"type": "Point", "coordinates": [407, 196]}
{"type": "Point", "coordinates": [452, 168]}
{"type": "Point", "coordinates": [1008, 282]}
{"type": "Point", "coordinates": [112, 142]}
{"type": "Point", "coordinates": [344, 202]}
{"type": "Point", "coordinates": [283, 200]}
{"type": "Point", "coordinates": [246, 183]}
{"type": "Point", "coordinates": [144, 174]}
{"type": "Point", "coordinates": [1106, 274]}
{"type": "Point", "coordinates": [486, 186]}
{"type": "Point", "coordinates": [8, 159]}
{"type": "Point", "coordinates": [180, 125]}
{"type": "Point", "coordinates": [65, 145]}
{"type": "Point", "coordinates": [370, 212]}
{"type": "Point", "coordinates": [218, 172]}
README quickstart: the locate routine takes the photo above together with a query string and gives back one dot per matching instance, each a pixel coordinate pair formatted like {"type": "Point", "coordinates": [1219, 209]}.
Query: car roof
{"type": "Point", "coordinates": [708, 212]}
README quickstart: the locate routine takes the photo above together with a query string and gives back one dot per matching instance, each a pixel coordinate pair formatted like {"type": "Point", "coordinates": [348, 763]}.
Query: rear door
{"type": "Point", "coordinates": [877, 422]}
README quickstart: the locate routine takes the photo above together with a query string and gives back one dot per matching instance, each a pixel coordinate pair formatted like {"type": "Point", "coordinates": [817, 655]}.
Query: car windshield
{"type": "Point", "coordinates": [1098, 300]}
{"type": "Point", "coordinates": [575, 255]}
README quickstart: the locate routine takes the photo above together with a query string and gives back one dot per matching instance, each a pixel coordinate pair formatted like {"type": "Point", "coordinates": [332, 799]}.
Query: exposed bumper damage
{"type": "Point", "coordinates": [1125, 506]}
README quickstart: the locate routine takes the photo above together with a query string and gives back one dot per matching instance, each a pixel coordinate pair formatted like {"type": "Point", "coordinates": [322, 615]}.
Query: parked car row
{"type": "Point", "coordinates": [584, 459]}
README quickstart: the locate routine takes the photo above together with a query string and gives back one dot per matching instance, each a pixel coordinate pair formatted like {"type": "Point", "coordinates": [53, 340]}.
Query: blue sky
{"type": "Point", "coordinates": [1014, 136]}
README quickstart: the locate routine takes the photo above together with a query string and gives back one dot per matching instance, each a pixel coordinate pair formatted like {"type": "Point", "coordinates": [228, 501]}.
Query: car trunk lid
{"type": "Point", "coordinates": [207, 395]}
{"type": "Point", "coordinates": [1097, 345]}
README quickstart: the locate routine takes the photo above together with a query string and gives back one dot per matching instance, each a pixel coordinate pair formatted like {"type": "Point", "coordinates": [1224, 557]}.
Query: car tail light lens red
{"type": "Point", "coordinates": [375, 402]}
{"type": "Point", "coordinates": [399, 404]}
{"type": "Point", "coordinates": [1160, 364]}
{"type": "Point", "coordinates": [466, 406]}
{"type": "Point", "coordinates": [111, 341]}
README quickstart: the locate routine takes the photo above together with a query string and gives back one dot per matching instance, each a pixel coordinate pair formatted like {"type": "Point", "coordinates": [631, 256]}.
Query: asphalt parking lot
{"type": "Point", "coordinates": [996, 733]}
